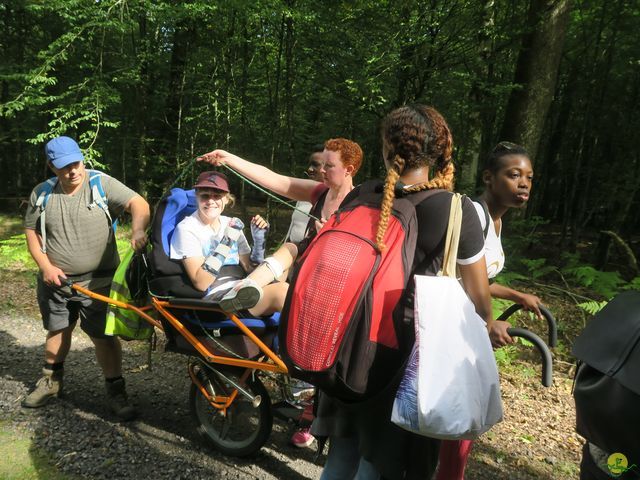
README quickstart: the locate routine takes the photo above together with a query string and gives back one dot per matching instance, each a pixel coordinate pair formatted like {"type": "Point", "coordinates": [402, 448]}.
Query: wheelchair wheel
{"type": "Point", "coordinates": [245, 428]}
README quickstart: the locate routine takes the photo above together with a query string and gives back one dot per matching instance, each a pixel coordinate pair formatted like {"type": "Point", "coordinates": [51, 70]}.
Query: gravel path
{"type": "Point", "coordinates": [84, 439]}
{"type": "Point", "coordinates": [536, 440]}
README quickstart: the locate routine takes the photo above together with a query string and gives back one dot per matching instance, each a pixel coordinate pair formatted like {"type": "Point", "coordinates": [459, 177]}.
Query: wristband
{"type": "Point", "coordinates": [213, 264]}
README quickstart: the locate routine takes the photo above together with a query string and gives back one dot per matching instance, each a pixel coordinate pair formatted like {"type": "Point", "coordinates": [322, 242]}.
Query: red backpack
{"type": "Point", "coordinates": [341, 319]}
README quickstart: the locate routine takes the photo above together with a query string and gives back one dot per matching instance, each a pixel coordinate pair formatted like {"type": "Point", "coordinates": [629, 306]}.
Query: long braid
{"type": "Point", "coordinates": [393, 174]}
{"type": "Point", "coordinates": [442, 180]}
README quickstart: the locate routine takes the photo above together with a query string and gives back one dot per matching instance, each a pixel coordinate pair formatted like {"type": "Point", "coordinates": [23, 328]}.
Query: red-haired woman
{"type": "Point", "coordinates": [342, 159]}
{"type": "Point", "coordinates": [332, 180]}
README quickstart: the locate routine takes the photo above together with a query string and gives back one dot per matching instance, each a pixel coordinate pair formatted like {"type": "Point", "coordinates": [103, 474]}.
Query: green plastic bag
{"type": "Point", "coordinates": [121, 322]}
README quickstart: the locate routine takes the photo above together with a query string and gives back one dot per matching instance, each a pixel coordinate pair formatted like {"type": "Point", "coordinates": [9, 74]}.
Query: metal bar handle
{"type": "Point", "coordinates": [545, 353]}
{"type": "Point", "coordinates": [548, 316]}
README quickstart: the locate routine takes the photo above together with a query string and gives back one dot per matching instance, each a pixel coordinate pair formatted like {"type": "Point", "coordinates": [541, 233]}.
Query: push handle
{"type": "Point", "coordinates": [65, 281]}
{"type": "Point", "coordinates": [548, 316]}
{"type": "Point", "coordinates": [545, 353]}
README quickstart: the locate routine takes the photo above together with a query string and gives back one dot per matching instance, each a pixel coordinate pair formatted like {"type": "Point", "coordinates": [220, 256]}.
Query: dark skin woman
{"type": "Point", "coordinates": [507, 177]}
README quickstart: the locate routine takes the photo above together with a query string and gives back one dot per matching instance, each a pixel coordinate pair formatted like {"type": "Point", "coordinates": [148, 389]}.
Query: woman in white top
{"type": "Point", "coordinates": [206, 242]}
{"type": "Point", "coordinates": [507, 178]}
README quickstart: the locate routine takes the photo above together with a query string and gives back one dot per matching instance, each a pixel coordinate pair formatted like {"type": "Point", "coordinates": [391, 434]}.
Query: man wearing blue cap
{"type": "Point", "coordinates": [69, 232]}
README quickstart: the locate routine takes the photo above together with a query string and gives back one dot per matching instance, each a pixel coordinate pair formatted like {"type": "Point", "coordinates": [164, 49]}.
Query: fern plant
{"type": "Point", "coordinates": [593, 307]}
{"type": "Point", "coordinates": [605, 284]}
{"type": "Point", "coordinates": [537, 267]}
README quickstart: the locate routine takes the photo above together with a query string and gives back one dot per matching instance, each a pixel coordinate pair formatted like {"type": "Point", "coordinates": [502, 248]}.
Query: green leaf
{"type": "Point", "coordinates": [592, 307]}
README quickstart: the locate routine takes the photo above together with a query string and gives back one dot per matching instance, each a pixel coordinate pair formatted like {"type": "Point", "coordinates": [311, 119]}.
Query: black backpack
{"type": "Point", "coordinates": [607, 382]}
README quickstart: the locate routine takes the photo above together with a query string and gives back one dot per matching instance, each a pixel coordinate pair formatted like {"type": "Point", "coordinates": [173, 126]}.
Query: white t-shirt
{"type": "Point", "coordinates": [299, 221]}
{"type": "Point", "coordinates": [193, 238]}
{"type": "Point", "coordinates": [493, 253]}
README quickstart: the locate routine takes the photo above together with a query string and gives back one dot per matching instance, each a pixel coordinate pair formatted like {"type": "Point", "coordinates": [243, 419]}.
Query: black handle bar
{"type": "Point", "coordinates": [545, 353]}
{"type": "Point", "coordinates": [551, 321]}
{"type": "Point", "coordinates": [65, 281]}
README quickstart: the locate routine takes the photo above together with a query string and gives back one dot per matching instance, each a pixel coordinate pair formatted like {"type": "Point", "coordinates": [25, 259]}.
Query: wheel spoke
{"type": "Point", "coordinates": [244, 428]}
{"type": "Point", "coordinates": [226, 425]}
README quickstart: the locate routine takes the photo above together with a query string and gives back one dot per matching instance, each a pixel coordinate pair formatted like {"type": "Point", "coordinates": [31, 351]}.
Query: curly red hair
{"type": "Point", "coordinates": [350, 152]}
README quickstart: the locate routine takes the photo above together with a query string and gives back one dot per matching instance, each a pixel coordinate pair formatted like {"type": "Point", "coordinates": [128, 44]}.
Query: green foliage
{"type": "Point", "coordinates": [146, 85]}
{"type": "Point", "coordinates": [499, 305]}
{"type": "Point", "coordinates": [506, 355]}
{"type": "Point", "coordinates": [634, 284]}
{"type": "Point", "coordinates": [509, 277]}
{"type": "Point", "coordinates": [605, 284]}
{"type": "Point", "coordinates": [537, 268]}
{"type": "Point", "coordinates": [14, 254]}
{"type": "Point", "coordinates": [521, 233]}
{"type": "Point", "coordinates": [592, 307]}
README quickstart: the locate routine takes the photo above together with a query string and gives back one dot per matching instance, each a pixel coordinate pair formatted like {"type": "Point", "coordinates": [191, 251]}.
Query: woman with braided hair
{"type": "Point", "coordinates": [417, 147]}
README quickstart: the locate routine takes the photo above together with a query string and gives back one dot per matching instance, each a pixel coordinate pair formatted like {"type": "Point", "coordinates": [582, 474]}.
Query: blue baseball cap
{"type": "Point", "coordinates": [61, 151]}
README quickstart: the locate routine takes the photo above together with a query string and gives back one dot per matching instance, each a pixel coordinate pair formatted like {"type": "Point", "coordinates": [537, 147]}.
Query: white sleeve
{"type": "Point", "coordinates": [481, 215]}
{"type": "Point", "coordinates": [184, 244]}
{"type": "Point", "coordinates": [469, 261]}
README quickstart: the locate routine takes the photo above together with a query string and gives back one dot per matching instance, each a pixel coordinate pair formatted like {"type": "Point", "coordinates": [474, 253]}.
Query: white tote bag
{"type": "Point", "coordinates": [450, 388]}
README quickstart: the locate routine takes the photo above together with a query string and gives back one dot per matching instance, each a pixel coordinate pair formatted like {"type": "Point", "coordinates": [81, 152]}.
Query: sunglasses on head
{"type": "Point", "coordinates": [508, 146]}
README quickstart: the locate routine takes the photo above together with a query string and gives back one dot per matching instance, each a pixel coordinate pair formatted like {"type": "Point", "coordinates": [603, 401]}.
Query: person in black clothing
{"type": "Point", "coordinates": [364, 444]}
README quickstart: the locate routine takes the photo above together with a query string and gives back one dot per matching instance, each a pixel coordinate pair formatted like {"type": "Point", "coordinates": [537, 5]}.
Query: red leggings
{"type": "Point", "coordinates": [453, 459]}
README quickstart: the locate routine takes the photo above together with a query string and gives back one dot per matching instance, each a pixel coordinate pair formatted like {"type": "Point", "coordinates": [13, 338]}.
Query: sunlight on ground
{"type": "Point", "coordinates": [20, 461]}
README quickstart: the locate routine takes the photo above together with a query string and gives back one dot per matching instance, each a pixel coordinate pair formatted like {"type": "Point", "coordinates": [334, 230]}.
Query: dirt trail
{"type": "Point", "coordinates": [535, 441]}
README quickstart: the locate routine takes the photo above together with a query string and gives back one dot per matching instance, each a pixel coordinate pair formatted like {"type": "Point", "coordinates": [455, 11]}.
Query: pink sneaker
{"type": "Point", "coordinates": [302, 438]}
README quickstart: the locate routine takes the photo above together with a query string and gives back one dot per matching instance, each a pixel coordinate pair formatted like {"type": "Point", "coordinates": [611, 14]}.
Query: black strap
{"type": "Point", "coordinates": [377, 186]}
{"type": "Point", "coordinates": [487, 217]}
{"type": "Point", "coordinates": [418, 197]}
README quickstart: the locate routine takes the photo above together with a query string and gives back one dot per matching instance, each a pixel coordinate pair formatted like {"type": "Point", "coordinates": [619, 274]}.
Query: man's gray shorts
{"type": "Point", "coordinates": [62, 307]}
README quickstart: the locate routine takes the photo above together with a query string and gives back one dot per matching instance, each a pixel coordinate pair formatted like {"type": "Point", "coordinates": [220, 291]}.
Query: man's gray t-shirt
{"type": "Point", "coordinates": [79, 237]}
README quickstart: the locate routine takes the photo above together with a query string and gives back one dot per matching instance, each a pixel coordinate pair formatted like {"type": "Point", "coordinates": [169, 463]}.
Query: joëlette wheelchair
{"type": "Point", "coordinates": [229, 356]}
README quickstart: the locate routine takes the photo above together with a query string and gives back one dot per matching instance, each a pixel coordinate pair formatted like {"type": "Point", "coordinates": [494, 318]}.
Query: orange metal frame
{"type": "Point", "coordinates": [162, 306]}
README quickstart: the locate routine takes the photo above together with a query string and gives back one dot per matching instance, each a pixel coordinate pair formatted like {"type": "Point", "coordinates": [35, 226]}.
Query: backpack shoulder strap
{"type": "Point", "coordinates": [418, 197]}
{"type": "Point", "coordinates": [98, 195]}
{"type": "Point", "coordinates": [44, 194]}
{"type": "Point", "coordinates": [487, 217]}
{"type": "Point", "coordinates": [97, 191]}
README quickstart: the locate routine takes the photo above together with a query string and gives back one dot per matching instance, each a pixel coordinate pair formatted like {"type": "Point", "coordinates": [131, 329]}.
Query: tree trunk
{"type": "Point", "coordinates": [182, 40]}
{"type": "Point", "coordinates": [289, 80]}
{"type": "Point", "coordinates": [472, 150]}
{"type": "Point", "coordinates": [536, 73]}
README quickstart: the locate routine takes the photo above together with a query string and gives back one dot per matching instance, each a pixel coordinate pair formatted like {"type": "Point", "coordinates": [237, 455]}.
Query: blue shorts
{"type": "Point", "coordinates": [61, 307]}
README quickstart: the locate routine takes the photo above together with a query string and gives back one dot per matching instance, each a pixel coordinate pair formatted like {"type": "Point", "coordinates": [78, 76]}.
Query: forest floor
{"type": "Point", "coordinates": [75, 437]}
